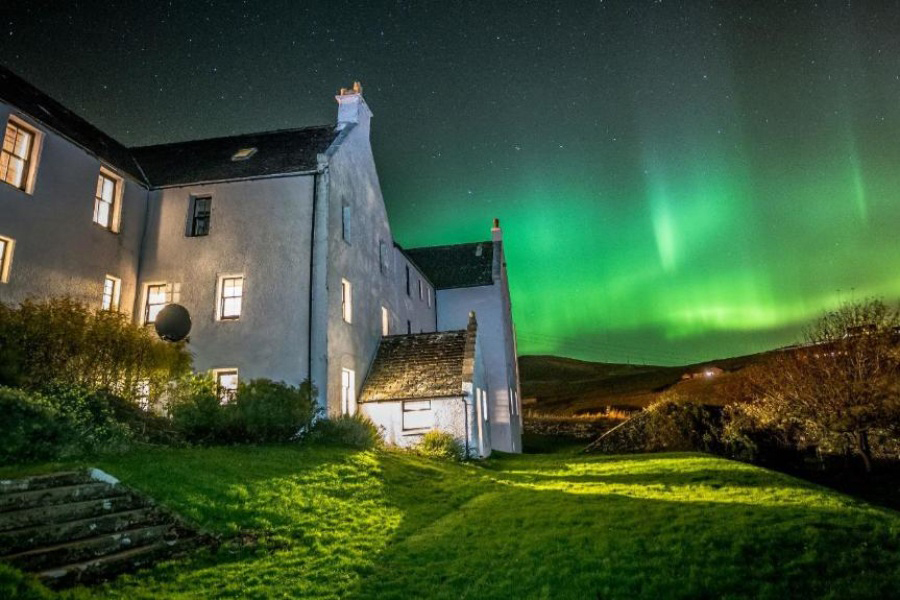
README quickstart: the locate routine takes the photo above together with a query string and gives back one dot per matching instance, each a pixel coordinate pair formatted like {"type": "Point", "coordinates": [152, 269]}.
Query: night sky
{"type": "Point", "coordinates": [677, 181]}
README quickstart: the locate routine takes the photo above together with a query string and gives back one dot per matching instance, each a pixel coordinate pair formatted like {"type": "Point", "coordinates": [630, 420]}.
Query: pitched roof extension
{"type": "Point", "coordinates": [423, 365]}
{"type": "Point", "coordinates": [19, 93]}
{"type": "Point", "coordinates": [276, 152]}
{"type": "Point", "coordinates": [456, 266]}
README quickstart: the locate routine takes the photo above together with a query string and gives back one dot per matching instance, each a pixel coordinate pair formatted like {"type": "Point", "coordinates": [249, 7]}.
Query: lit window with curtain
{"type": "Point", "coordinates": [16, 154]}
{"type": "Point", "coordinates": [231, 296]}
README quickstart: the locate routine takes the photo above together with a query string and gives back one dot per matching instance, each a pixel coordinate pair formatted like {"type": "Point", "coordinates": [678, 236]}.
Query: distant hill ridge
{"type": "Point", "coordinates": [561, 385]}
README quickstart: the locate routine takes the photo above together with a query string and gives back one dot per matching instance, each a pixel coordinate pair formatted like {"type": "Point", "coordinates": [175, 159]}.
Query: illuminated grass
{"type": "Point", "coordinates": [343, 524]}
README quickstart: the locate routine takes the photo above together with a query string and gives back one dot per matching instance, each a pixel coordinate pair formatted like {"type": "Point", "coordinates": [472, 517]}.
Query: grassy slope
{"type": "Point", "coordinates": [344, 524]}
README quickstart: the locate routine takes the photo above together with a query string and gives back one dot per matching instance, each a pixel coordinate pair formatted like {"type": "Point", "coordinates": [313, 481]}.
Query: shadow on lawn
{"type": "Point", "coordinates": [515, 542]}
{"type": "Point", "coordinates": [389, 525]}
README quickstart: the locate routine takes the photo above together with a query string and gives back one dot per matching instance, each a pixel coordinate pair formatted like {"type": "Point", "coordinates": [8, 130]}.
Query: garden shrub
{"type": "Point", "coordinates": [21, 586]}
{"type": "Point", "coordinates": [670, 424]}
{"type": "Point", "coordinates": [64, 421]}
{"type": "Point", "coordinates": [270, 411]}
{"type": "Point", "coordinates": [61, 340]}
{"type": "Point", "coordinates": [262, 411]}
{"type": "Point", "coordinates": [195, 409]}
{"type": "Point", "coordinates": [31, 428]}
{"type": "Point", "coordinates": [356, 431]}
{"type": "Point", "coordinates": [440, 444]}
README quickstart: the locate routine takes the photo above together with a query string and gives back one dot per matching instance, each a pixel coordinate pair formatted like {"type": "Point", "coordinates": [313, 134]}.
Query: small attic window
{"type": "Point", "coordinates": [243, 154]}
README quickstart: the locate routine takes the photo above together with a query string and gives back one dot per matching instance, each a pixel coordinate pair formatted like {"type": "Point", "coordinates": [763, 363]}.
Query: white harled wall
{"type": "Point", "coordinates": [492, 306]}
{"type": "Point", "coordinates": [260, 229]}
{"type": "Point", "coordinates": [59, 250]}
{"type": "Point", "coordinates": [353, 183]}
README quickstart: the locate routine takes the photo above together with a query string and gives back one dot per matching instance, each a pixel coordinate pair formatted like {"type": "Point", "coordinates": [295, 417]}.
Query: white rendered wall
{"type": "Point", "coordinates": [353, 182]}
{"type": "Point", "coordinates": [260, 229]}
{"type": "Point", "coordinates": [450, 416]}
{"type": "Point", "coordinates": [492, 309]}
{"type": "Point", "coordinates": [59, 250]}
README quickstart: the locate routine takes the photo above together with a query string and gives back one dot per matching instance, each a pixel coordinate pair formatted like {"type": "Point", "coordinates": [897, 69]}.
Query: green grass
{"type": "Point", "coordinates": [333, 523]}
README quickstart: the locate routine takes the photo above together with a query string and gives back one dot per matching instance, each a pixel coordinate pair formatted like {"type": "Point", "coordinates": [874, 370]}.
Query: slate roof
{"type": "Point", "coordinates": [19, 93]}
{"type": "Point", "coordinates": [423, 365]}
{"type": "Point", "coordinates": [277, 152]}
{"type": "Point", "coordinates": [456, 266]}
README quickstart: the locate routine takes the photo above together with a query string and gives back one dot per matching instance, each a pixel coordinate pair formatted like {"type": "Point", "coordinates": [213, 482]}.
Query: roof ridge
{"type": "Point", "coordinates": [447, 245]}
{"type": "Point", "coordinates": [235, 136]}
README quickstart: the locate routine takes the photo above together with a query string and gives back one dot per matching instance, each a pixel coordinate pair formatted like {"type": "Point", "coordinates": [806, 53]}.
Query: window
{"type": "Point", "coordinates": [345, 223]}
{"type": "Point", "coordinates": [142, 394]}
{"type": "Point", "coordinates": [408, 326]}
{"type": "Point", "coordinates": [17, 155]}
{"type": "Point", "coordinates": [407, 281]}
{"type": "Point", "coordinates": [385, 321]}
{"type": "Point", "coordinates": [484, 406]}
{"type": "Point", "coordinates": [417, 414]}
{"type": "Point", "coordinates": [429, 297]}
{"type": "Point", "coordinates": [112, 287]}
{"type": "Point", "coordinates": [157, 298]}
{"type": "Point", "coordinates": [348, 392]}
{"type": "Point", "coordinates": [201, 208]}
{"type": "Point", "coordinates": [421, 290]}
{"type": "Point", "coordinates": [226, 384]}
{"type": "Point", "coordinates": [231, 295]}
{"type": "Point", "coordinates": [6, 253]}
{"type": "Point", "coordinates": [383, 257]}
{"type": "Point", "coordinates": [243, 154]}
{"type": "Point", "coordinates": [106, 200]}
{"type": "Point", "coordinates": [346, 301]}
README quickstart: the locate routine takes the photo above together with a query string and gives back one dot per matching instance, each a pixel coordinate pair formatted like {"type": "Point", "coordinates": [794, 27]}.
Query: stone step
{"type": "Point", "coordinates": [61, 513]}
{"type": "Point", "coordinates": [26, 538]}
{"type": "Point", "coordinates": [41, 482]}
{"type": "Point", "coordinates": [69, 552]}
{"type": "Point", "coordinates": [56, 495]}
{"type": "Point", "coordinates": [108, 566]}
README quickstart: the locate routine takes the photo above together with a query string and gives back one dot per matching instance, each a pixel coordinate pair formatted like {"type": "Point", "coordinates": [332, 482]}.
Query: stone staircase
{"type": "Point", "coordinates": [81, 527]}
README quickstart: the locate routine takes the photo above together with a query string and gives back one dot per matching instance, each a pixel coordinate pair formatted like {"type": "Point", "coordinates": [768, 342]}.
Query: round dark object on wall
{"type": "Point", "coordinates": [173, 323]}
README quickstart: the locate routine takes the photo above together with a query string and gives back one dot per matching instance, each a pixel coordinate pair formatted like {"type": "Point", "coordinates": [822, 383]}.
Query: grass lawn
{"type": "Point", "coordinates": [335, 523]}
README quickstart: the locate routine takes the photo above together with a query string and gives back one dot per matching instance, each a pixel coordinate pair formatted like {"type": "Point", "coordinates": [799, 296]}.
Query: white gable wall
{"type": "Point", "coordinates": [493, 310]}
{"type": "Point", "coordinates": [353, 183]}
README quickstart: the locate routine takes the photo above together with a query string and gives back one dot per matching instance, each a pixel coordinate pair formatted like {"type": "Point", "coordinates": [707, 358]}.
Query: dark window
{"type": "Point", "coordinates": [345, 223]}
{"type": "Point", "coordinates": [407, 280]}
{"type": "Point", "coordinates": [200, 216]}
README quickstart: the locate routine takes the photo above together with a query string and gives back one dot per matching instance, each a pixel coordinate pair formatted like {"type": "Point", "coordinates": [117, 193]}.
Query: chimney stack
{"type": "Point", "coordinates": [352, 108]}
{"type": "Point", "coordinates": [496, 232]}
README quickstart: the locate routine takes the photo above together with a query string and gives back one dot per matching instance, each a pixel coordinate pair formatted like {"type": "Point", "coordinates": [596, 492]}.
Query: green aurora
{"type": "Point", "coordinates": [677, 181]}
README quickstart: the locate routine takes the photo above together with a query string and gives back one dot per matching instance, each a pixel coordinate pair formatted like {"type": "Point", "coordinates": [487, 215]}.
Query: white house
{"type": "Point", "coordinates": [278, 244]}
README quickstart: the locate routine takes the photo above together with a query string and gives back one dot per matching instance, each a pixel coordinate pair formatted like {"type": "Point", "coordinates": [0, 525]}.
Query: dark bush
{"type": "Point", "coordinates": [440, 444]}
{"type": "Point", "coordinates": [65, 421]}
{"type": "Point", "coordinates": [270, 411]}
{"type": "Point", "coordinates": [355, 431]}
{"type": "Point", "coordinates": [196, 411]}
{"type": "Point", "coordinates": [262, 411]}
{"type": "Point", "coordinates": [31, 428]}
{"type": "Point", "coordinates": [60, 340]}
{"type": "Point", "coordinates": [671, 424]}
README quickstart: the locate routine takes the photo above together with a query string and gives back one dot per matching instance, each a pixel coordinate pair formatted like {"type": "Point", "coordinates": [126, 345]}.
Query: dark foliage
{"type": "Point", "coordinates": [355, 431]}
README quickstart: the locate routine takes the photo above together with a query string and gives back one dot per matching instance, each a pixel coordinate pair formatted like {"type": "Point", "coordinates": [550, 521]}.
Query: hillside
{"type": "Point", "coordinates": [566, 386]}
{"type": "Point", "coordinates": [319, 522]}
